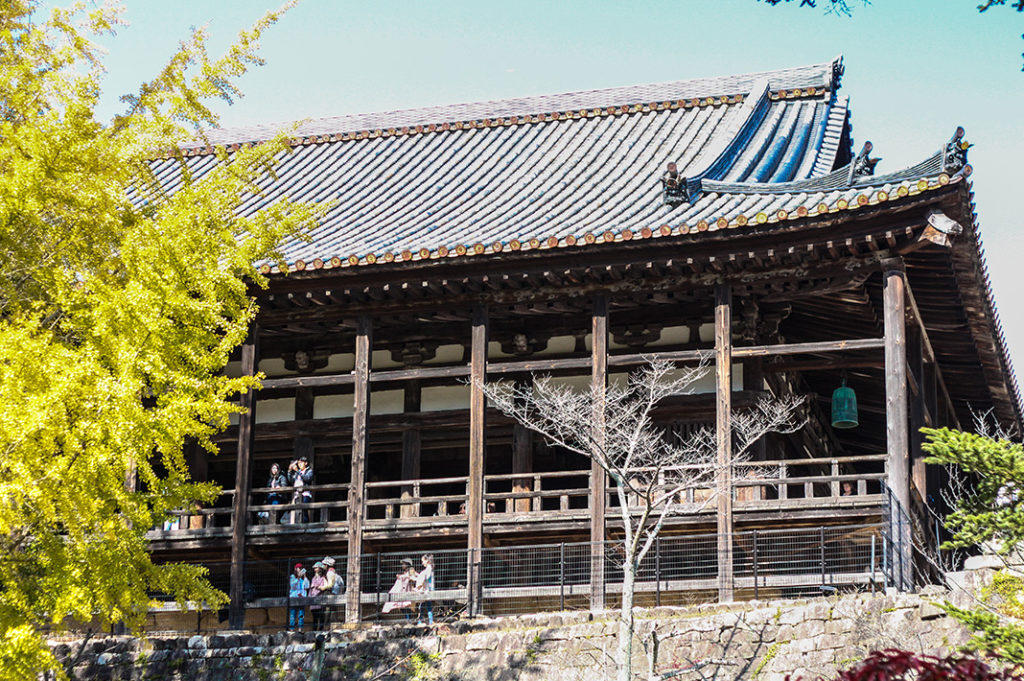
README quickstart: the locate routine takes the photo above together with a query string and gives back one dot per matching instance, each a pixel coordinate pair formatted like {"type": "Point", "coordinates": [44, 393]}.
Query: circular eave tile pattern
{"type": "Point", "coordinates": [849, 201]}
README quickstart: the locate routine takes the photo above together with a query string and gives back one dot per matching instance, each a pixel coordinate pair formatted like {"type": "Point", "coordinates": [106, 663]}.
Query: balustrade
{"type": "Point", "coordinates": [756, 484]}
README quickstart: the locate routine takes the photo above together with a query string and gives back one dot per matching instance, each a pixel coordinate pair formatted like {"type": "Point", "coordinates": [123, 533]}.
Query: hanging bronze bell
{"type": "Point", "coordinates": [844, 407]}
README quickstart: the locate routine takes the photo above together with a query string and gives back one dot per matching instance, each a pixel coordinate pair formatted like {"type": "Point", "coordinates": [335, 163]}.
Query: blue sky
{"type": "Point", "coordinates": [915, 69]}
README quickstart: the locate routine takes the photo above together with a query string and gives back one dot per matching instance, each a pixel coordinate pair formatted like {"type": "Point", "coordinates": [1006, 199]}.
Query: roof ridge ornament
{"type": "Point", "coordinates": [863, 165]}
{"type": "Point", "coordinates": [837, 71]}
{"type": "Point", "coordinates": [674, 190]}
{"type": "Point", "coordinates": [954, 154]}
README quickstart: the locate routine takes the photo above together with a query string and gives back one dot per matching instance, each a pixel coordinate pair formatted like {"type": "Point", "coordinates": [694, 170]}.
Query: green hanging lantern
{"type": "Point", "coordinates": [844, 407]}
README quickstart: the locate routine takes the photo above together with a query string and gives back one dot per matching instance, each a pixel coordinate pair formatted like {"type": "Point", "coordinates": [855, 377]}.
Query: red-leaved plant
{"type": "Point", "coordinates": [893, 664]}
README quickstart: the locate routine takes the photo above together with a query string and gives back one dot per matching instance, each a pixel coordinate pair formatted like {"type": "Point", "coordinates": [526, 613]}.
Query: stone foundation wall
{"type": "Point", "coordinates": [763, 640]}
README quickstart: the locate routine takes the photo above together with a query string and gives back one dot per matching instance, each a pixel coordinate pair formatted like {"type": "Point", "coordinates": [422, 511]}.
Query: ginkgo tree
{"type": "Point", "coordinates": [120, 304]}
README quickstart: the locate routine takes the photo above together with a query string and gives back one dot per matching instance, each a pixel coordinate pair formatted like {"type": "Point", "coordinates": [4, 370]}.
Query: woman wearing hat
{"type": "Point", "coordinates": [403, 584]}
{"type": "Point", "coordinates": [298, 591]}
{"type": "Point", "coordinates": [316, 587]}
{"type": "Point", "coordinates": [334, 585]}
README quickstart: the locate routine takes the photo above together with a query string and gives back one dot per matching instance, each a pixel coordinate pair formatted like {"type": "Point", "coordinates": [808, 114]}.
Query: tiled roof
{"type": "Point", "coordinates": [554, 170]}
{"type": "Point", "coordinates": [818, 76]}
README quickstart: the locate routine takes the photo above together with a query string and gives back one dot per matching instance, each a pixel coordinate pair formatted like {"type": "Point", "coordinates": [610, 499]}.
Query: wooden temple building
{"type": "Point", "coordinates": [579, 235]}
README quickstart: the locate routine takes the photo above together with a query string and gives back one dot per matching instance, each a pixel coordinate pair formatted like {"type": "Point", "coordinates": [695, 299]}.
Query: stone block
{"type": "Point", "coordinates": [802, 645]}
{"type": "Point", "coordinates": [809, 629]}
{"type": "Point", "coordinates": [792, 615]}
{"type": "Point", "coordinates": [841, 625]}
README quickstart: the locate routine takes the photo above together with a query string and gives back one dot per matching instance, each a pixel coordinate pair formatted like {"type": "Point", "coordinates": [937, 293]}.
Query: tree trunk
{"type": "Point", "coordinates": [624, 657]}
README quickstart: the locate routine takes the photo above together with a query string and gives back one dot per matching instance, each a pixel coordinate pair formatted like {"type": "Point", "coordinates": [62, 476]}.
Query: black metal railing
{"type": "Point", "coordinates": [678, 570]}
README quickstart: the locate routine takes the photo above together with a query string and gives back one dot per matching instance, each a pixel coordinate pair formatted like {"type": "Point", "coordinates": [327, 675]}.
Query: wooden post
{"type": "Point", "coordinates": [411, 449]}
{"type": "Point", "coordinates": [894, 317]}
{"type": "Point", "coordinates": [723, 431]}
{"type": "Point", "coordinates": [598, 477]}
{"type": "Point", "coordinates": [522, 460]}
{"type": "Point", "coordinates": [356, 490]}
{"type": "Point", "coordinates": [243, 480]}
{"type": "Point", "coordinates": [915, 363]}
{"type": "Point", "coordinates": [477, 449]}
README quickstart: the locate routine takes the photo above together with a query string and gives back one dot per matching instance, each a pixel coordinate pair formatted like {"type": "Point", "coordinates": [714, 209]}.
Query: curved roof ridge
{"type": "Point", "coordinates": [837, 179]}
{"type": "Point", "coordinates": [824, 75]}
{"type": "Point", "coordinates": [831, 137]}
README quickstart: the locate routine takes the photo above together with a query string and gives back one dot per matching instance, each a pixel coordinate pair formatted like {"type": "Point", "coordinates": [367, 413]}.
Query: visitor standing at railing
{"type": "Point", "coordinates": [300, 475]}
{"type": "Point", "coordinates": [317, 586]}
{"type": "Point", "coordinates": [334, 585]}
{"type": "Point", "coordinates": [404, 581]}
{"type": "Point", "coordinates": [277, 480]}
{"type": "Point", "coordinates": [298, 592]}
{"type": "Point", "coordinates": [425, 584]}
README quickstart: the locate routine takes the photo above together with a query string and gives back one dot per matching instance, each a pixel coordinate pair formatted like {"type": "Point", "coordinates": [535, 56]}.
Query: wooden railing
{"type": "Point", "coordinates": [329, 505]}
{"type": "Point", "coordinates": [421, 498]}
{"type": "Point", "coordinates": [558, 491]}
{"type": "Point", "coordinates": [778, 481]}
{"type": "Point", "coordinates": [204, 518]}
{"type": "Point", "coordinates": [505, 493]}
{"type": "Point", "coordinates": [806, 479]}
{"type": "Point", "coordinates": [756, 484]}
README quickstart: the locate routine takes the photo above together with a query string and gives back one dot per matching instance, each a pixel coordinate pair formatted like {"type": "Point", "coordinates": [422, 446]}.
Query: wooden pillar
{"type": "Point", "coordinates": [598, 477]}
{"type": "Point", "coordinates": [356, 490]}
{"type": "Point", "coordinates": [897, 436]}
{"type": "Point", "coordinates": [411, 449]}
{"type": "Point", "coordinates": [723, 434]}
{"type": "Point", "coordinates": [477, 449]}
{"type": "Point", "coordinates": [915, 363]}
{"type": "Point", "coordinates": [243, 483]}
{"type": "Point", "coordinates": [522, 460]}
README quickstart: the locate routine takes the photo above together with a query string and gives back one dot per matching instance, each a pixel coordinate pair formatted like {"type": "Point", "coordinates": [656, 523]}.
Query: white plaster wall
{"type": "Point", "coordinates": [275, 411]}
{"type": "Point", "coordinates": [445, 398]}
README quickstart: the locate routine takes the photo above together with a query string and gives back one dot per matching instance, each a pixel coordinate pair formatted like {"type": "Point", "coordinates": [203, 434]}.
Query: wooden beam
{"type": "Point", "coordinates": [598, 478]}
{"type": "Point", "coordinates": [411, 448]}
{"type": "Point", "coordinates": [357, 489]}
{"type": "Point", "coordinates": [627, 360]}
{"type": "Point", "coordinates": [836, 364]}
{"type": "Point", "coordinates": [896, 418]}
{"type": "Point", "coordinates": [477, 449]}
{"type": "Point", "coordinates": [808, 348]}
{"type": "Point", "coordinates": [723, 431]}
{"type": "Point", "coordinates": [243, 483]}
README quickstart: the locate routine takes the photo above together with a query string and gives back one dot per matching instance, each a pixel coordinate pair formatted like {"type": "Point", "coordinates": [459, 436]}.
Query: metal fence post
{"type": "Point", "coordinates": [822, 544]}
{"type": "Point", "coordinates": [561, 576]}
{"type": "Point", "coordinates": [885, 562]}
{"type": "Point", "coordinates": [872, 565]}
{"type": "Point", "coordinates": [471, 606]}
{"type": "Point", "coordinates": [376, 588]}
{"type": "Point", "coordinates": [756, 593]}
{"type": "Point", "coordinates": [902, 581]}
{"type": "Point", "coordinates": [657, 571]}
